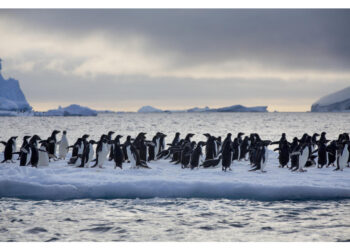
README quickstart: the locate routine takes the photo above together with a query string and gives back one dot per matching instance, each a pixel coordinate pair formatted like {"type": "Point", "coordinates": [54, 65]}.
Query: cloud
{"type": "Point", "coordinates": [178, 54]}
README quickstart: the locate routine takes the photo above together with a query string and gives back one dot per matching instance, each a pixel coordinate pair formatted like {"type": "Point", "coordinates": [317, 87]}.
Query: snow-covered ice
{"type": "Point", "coordinates": [338, 101]}
{"type": "Point", "coordinates": [60, 181]}
{"type": "Point", "coordinates": [71, 110]}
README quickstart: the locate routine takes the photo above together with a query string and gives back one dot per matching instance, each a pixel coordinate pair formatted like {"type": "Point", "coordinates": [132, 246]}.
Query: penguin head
{"type": "Point", "coordinates": [118, 137]}
{"type": "Point", "coordinates": [13, 138]}
{"type": "Point", "coordinates": [229, 135]}
{"type": "Point", "coordinates": [55, 132]}
{"type": "Point", "coordinates": [85, 136]}
{"type": "Point", "coordinates": [240, 134]}
{"type": "Point", "coordinates": [207, 135]}
{"type": "Point", "coordinates": [110, 133]}
{"type": "Point", "coordinates": [26, 137]}
{"type": "Point", "coordinates": [177, 134]}
{"type": "Point", "coordinates": [64, 132]}
{"type": "Point", "coordinates": [92, 142]}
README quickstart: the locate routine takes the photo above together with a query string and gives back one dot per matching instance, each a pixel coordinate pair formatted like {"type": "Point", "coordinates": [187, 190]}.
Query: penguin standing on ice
{"type": "Point", "coordinates": [110, 145]}
{"type": "Point", "coordinates": [210, 147]}
{"type": "Point", "coordinates": [303, 153]}
{"type": "Point", "coordinates": [10, 149]}
{"type": "Point", "coordinates": [101, 151]}
{"type": "Point", "coordinates": [322, 159]}
{"type": "Point", "coordinates": [227, 153]}
{"type": "Point", "coordinates": [236, 155]}
{"type": "Point", "coordinates": [261, 156]}
{"type": "Point", "coordinates": [343, 156]}
{"type": "Point", "coordinates": [134, 156]}
{"type": "Point", "coordinates": [196, 155]}
{"type": "Point", "coordinates": [24, 143]}
{"type": "Point", "coordinates": [43, 154]}
{"type": "Point", "coordinates": [63, 146]}
{"type": "Point", "coordinates": [186, 154]}
{"type": "Point", "coordinates": [88, 154]}
{"type": "Point", "coordinates": [244, 148]}
{"type": "Point", "coordinates": [283, 156]}
{"type": "Point", "coordinates": [118, 152]}
{"type": "Point", "coordinates": [25, 152]}
{"type": "Point", "coordinates": [52, 144]}
{"type": "Point", "coordinates": [294, 157]}
{"type": "Point", "coordinates": [33, 143]}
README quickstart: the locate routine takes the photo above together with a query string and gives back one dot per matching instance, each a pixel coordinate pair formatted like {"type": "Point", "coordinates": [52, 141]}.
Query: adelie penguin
{"type": "Point", "coordinates": [101, 151]}
{"type": "Point", "coordinates": [186, 153]}
{"type": "Point", "coordinates": [343, 156]}
{"type": "Point", "coordinates": [322, 159]}
{"type": "Point", "coordinates": [10, 149]}
{"type": "Point", "coordinates": [43, 154]}
{"type": "Point", "coordinates": [63, 146]}
{"type": "Point", "coordinates": [88, 154]}
{"type": "Point", "coordinates": [118, 154]}
{"type": "Point", "coordinates": [261, 156]}
{"type": "Point", "coordinates": [25, 152]}
{"type": "Point", "coordinates": [236, 154]}
{"type": "Point", "coordinates": [283, 156]}
{"type": "Point", "coordinates": [51, 145]}
{"type": "Point", "coordinates": [210, 148]}
{"type": "Point", "coordinates": [227, 153]}
{"type": "Point", "coordinates": [110, 145]}
{"type": "Point", "coordinates": [33, 143]}
{"type": "Point", "coordinates": [196, 155]}
{"type": "Point", "coordinates": [134, 156]}
{"type": "Point", "coordinates": [24, 143]}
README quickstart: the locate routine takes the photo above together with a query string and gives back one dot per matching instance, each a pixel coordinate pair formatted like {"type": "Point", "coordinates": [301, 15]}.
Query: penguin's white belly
{"type": "Point", "coordinates": [29, 156]}
{"type": "Point", "coordinates": [343, 158]}
{"type": "Point", "coordinates": [91, 156]}
{"type": "Point", "coordinates": [263, 163]}
{"type": "Point", "coordinates": [131, 157]}
{"type": "Point", "coordinates": [43, 159]}
{"type": "Point", "coordinates": [303, 158]}
{"type": "Point", "coordinates": [102, 155]}
{"type": "Point", "coordinates": [13, 150]}
{"type": "Point", "coordinates": [63, 150]}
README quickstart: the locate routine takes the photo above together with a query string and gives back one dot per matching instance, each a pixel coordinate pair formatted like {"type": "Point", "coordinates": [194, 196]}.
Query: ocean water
{"type": "Point", "coordinates": [174, 218]}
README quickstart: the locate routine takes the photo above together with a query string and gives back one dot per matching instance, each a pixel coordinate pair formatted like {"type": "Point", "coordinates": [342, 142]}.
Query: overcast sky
{"type": "Point", "coordinates": [123, 59]}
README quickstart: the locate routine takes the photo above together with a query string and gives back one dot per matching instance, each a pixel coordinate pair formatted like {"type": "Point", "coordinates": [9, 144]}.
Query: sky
{"type": "Point", "coordinates": [122, 59]}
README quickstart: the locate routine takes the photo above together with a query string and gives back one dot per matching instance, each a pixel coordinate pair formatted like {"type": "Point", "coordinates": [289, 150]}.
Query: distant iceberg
{"type": "Point", "coordinates": [335, 102]}
{"type": "Point", "coordinates": [149, 109]}
{"type": "Point", "coordinates": [234, 108]}
{"type": "Point", "coordinates": [72, 110]}
{"type": "Point", "coordinates": [11, 95]}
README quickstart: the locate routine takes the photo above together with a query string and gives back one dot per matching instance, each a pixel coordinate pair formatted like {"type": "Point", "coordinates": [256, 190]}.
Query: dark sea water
{"type": "Point", "coordinates": [176, 219]}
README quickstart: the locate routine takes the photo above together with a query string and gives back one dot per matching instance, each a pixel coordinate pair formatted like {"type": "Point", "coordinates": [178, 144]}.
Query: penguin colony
{"type": "Point", "coordinates": [297, 155]}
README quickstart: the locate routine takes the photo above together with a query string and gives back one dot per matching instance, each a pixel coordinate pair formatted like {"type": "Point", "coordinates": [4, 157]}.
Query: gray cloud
{"type": "Point", "coordinates": [172, 58]}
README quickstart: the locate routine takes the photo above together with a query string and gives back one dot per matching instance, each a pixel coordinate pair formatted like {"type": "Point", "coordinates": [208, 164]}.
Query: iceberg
{"type": "Point", "coordinates": [71, 110]}
{"type": "Point", "coordinates": [335, 102]}
{"type": "Point", "coordinates": [11, 95]}
{"type": "Point", "coordinates": [149, 109]}
{"type": "Point", "coordinates": [61, 182]}
{"type": "Point", "coordinates": [240, 108]}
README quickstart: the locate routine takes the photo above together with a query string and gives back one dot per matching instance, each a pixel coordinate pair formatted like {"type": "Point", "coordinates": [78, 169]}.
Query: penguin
{"type": "Point", "coordinates": [244, 148]}
{"type": "Point", "coordinates": [331, 152]}
{"type": "Point", "coordinates": [87, 155]}
{"type": "Point", "coordinates": [188, 137]}
{"type": "Point", "coordinates": [51, 145]}
{"type": "Point", "coordinates": [101, 151]}
{"type": "Point", "coordinates": [43, 154]}
{"type": "Point", "coordinates": [78, 149]}
{"type": "Point", "coordinates": [196, 155]}
{"type": "Point", "coordinates": [212, 163]}
{"type": "Point", "coordinates": [118, 152]}
{"type": "Point", "coordinates": [63, 146]}
{"type": "Point", "coordinates": [134, 156]}
{"type": "Point", "coordinates": [143, 150]}
{"type": "Point", "coordinates": [33, 143]}
{"type": "Point", "coordinates": [343, 156]}
{"type": "Point", "coordinates": [110, 145]}
{"type": "Point", "coordinates": [10, 149]}
{"type": "Point", "coordinates": [25, 155]}
{"type": "Point", "coordinates": [176, 139]}
{"type": "Point", "coordinates": [236, 154]}
{"type": "Point", "coordinates": [294, 158]}
{"type": "Point", "coordinates": [210, 148]}
{"type": "Point", "coordinates": [24, 143]}
{"type": "Point", "coordinates": [303, 151]}
{"type": "Point", "coordinates": [186, 154]}
{"type": "Point", "coordinates": [283, 156]}
{"type": "Point", "coordinates": [322, 159]}
{"type": "Point", "coordinates": [227, 153]}
{"type": "Point", "coordinates": [261, 156]}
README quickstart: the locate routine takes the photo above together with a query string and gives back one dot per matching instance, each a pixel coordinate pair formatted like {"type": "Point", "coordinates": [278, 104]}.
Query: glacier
{"type": "Point", "coordinates": [11, 95]}
{"type": "Point", "coordinates": [335, 102]}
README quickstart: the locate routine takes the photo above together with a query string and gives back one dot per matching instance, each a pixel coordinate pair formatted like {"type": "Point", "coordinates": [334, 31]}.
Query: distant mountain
{"type": "Point", "coordinates": [11, 95]}
{"type": "Point", "coordinates": [71, 110]}
{"type": "Point", "coordinates": [335, 102]}
{"type": "Point", "coordinates": [234, 108]}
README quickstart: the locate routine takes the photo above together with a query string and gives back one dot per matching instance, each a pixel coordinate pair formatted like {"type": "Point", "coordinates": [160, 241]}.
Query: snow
{"type": "Point", "coordinates": [148, 109]}
{"type": "Point", "coordinates": [59, 181]}
{"type": "Point", "coordinates": [72, 110]}
{"type": "Point", "coordinates": [338, 101]}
